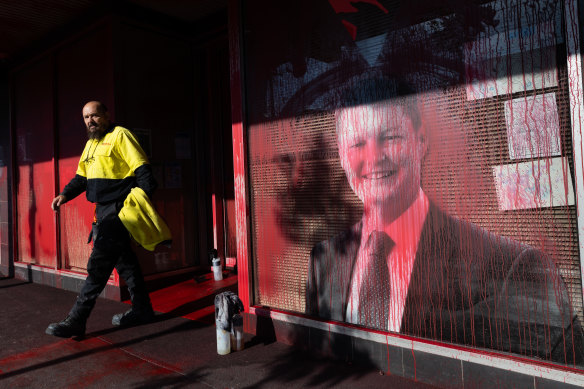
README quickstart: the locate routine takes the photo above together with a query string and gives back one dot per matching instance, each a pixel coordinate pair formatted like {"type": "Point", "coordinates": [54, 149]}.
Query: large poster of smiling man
{"type": "Point", "coordinates": [411, 170]}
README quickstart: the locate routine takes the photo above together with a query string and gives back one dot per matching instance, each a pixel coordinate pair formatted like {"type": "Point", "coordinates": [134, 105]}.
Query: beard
{"type": "Point", "coordinates": [95, 132]}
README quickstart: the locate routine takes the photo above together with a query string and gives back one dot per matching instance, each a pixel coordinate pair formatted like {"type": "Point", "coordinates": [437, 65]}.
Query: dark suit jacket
{"type": "Point", "coordinates": [467, 286]}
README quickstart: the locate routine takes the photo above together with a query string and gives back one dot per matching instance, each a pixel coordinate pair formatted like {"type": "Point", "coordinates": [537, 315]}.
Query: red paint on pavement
{"type": "Point", "coordinates": [96, 362]}
{"type": "Point", "coordinates": [193, 300]}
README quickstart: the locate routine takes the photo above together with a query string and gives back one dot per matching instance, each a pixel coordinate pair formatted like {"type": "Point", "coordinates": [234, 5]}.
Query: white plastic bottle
{"type": "Point", "coordinates": [223, 341]}
{"type": "Point", "coordinates": [217, 269]}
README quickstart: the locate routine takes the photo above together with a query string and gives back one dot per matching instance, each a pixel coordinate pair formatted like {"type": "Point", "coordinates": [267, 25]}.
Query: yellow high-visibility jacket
{"type": "Point", "coordinates": [109, 164]}
{"type": "Point", "coordinates": [142, 221]}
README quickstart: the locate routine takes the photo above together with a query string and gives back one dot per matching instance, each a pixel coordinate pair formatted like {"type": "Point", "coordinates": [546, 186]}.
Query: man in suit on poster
{"type": "Point", "coordinates": [408, 267]}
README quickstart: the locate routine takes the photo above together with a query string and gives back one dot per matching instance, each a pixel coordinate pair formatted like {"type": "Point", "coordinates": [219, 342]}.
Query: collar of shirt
{"type": "Point", "coordinates": [405, 232]}
{"type": "Point", "coordinates": [406, 229]}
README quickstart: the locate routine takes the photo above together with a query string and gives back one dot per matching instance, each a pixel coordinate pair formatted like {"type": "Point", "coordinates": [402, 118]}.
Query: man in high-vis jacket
{"type": "Point", "coordinates": [111, 164]}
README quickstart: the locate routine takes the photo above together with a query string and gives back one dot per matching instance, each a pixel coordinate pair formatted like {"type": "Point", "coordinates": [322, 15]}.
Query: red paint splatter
{"type": "Point", "coordinates": [346, 6]}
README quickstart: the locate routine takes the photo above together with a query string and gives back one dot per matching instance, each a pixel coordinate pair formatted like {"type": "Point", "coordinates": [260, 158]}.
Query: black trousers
{"type": "Point", "coordinates": [111, 249]}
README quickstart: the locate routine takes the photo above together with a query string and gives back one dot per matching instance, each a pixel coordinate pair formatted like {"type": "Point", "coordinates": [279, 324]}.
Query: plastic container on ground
{"type": "Point", "coordinates": [223, 341]}
{"type": "Point", "coordinates": [217, 269]}
{"type": "Point", "coordinates": [229, 322]}
{"type": "Point", "coordinates": [237, 341]}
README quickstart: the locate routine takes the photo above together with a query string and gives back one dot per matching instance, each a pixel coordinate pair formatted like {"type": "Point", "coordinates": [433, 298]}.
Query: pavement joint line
{"type": "Point", "coordinates": [150, 361]}
{"type": "Point", "coordinates": [155, 363]}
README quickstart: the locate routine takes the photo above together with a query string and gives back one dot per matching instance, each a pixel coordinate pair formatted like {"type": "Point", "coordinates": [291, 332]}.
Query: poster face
{"type": "Point", "coordinates": [410, 170]}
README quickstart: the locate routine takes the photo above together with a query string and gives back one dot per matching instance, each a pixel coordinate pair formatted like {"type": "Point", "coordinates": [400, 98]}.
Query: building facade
{"type": "Point", "coordinates": [459, 121]}
{"type": "Point", "coordinates": [164, 79]}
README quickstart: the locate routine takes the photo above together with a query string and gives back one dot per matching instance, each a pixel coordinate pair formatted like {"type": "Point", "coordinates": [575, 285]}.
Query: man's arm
{"type": "Point", "coordinates": [133, 154]}
{"type": "Point", "coordinates": [145, 179]}
{"type": "Point", "coordinates": [74, 188]}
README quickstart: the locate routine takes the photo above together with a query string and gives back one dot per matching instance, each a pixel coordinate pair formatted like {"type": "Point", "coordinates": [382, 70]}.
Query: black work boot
{"type": "Point", "coordinates": [133, 317]}
{"type": "Point", "coordinates": [67, 328]}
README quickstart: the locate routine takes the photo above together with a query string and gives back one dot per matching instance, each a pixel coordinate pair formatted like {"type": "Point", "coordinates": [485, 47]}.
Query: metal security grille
{"type": "Point", "coordinates": [492, 86]}
{"type": "Point", "coordinates": [298, 188]}
{"type": "Point", "coordinates": [459, 176]}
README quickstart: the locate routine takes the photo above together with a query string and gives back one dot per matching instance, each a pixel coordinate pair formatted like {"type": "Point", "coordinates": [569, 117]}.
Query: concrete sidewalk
{"type": "Point", "coordinates": [173, 352]}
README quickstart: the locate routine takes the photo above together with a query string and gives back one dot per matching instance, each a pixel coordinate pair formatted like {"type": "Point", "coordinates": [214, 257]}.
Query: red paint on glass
{"type": "Point", "coordinates": [34, 153]}
{"type": "Point", "coordinates": [351, 28]}
{"type": "Point", "coordinates": [475, 193]}
{"type": "Point", "coordinates": [346, 6]}
{"type": "Point", "coordinates": [239, 154]}
{"type": "Point", "coordinates": [213, 206]}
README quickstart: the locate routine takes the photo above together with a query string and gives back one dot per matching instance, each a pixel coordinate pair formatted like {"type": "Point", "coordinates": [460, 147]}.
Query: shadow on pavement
{"type": "Point", "coordinates": [186, 326]}
{"type": "Point", "coordinates": [173, 382]}
{"type": "Point", "coordinates": [12, 285]}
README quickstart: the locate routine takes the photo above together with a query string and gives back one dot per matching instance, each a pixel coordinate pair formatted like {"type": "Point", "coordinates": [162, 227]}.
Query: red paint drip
{"type": "Point", "coordinates": [346, 6]}
{"type": "Point", "coordinates": [351, 28]}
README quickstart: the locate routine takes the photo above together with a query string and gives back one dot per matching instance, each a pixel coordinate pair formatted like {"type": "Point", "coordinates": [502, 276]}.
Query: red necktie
{"type": "Point", "coordinates": [375, 286]}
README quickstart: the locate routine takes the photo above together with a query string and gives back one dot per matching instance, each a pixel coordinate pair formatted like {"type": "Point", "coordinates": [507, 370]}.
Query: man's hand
{"type": "Point", "coordinates": [57, 202]}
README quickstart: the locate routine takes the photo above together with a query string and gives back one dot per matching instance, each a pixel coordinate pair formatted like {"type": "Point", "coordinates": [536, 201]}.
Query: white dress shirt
{"type": "Point", "coordinates": [405, 232]}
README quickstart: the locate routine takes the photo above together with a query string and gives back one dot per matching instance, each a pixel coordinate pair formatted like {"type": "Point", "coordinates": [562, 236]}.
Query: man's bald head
{"type": "Point", "coordinates": [96, 118]}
